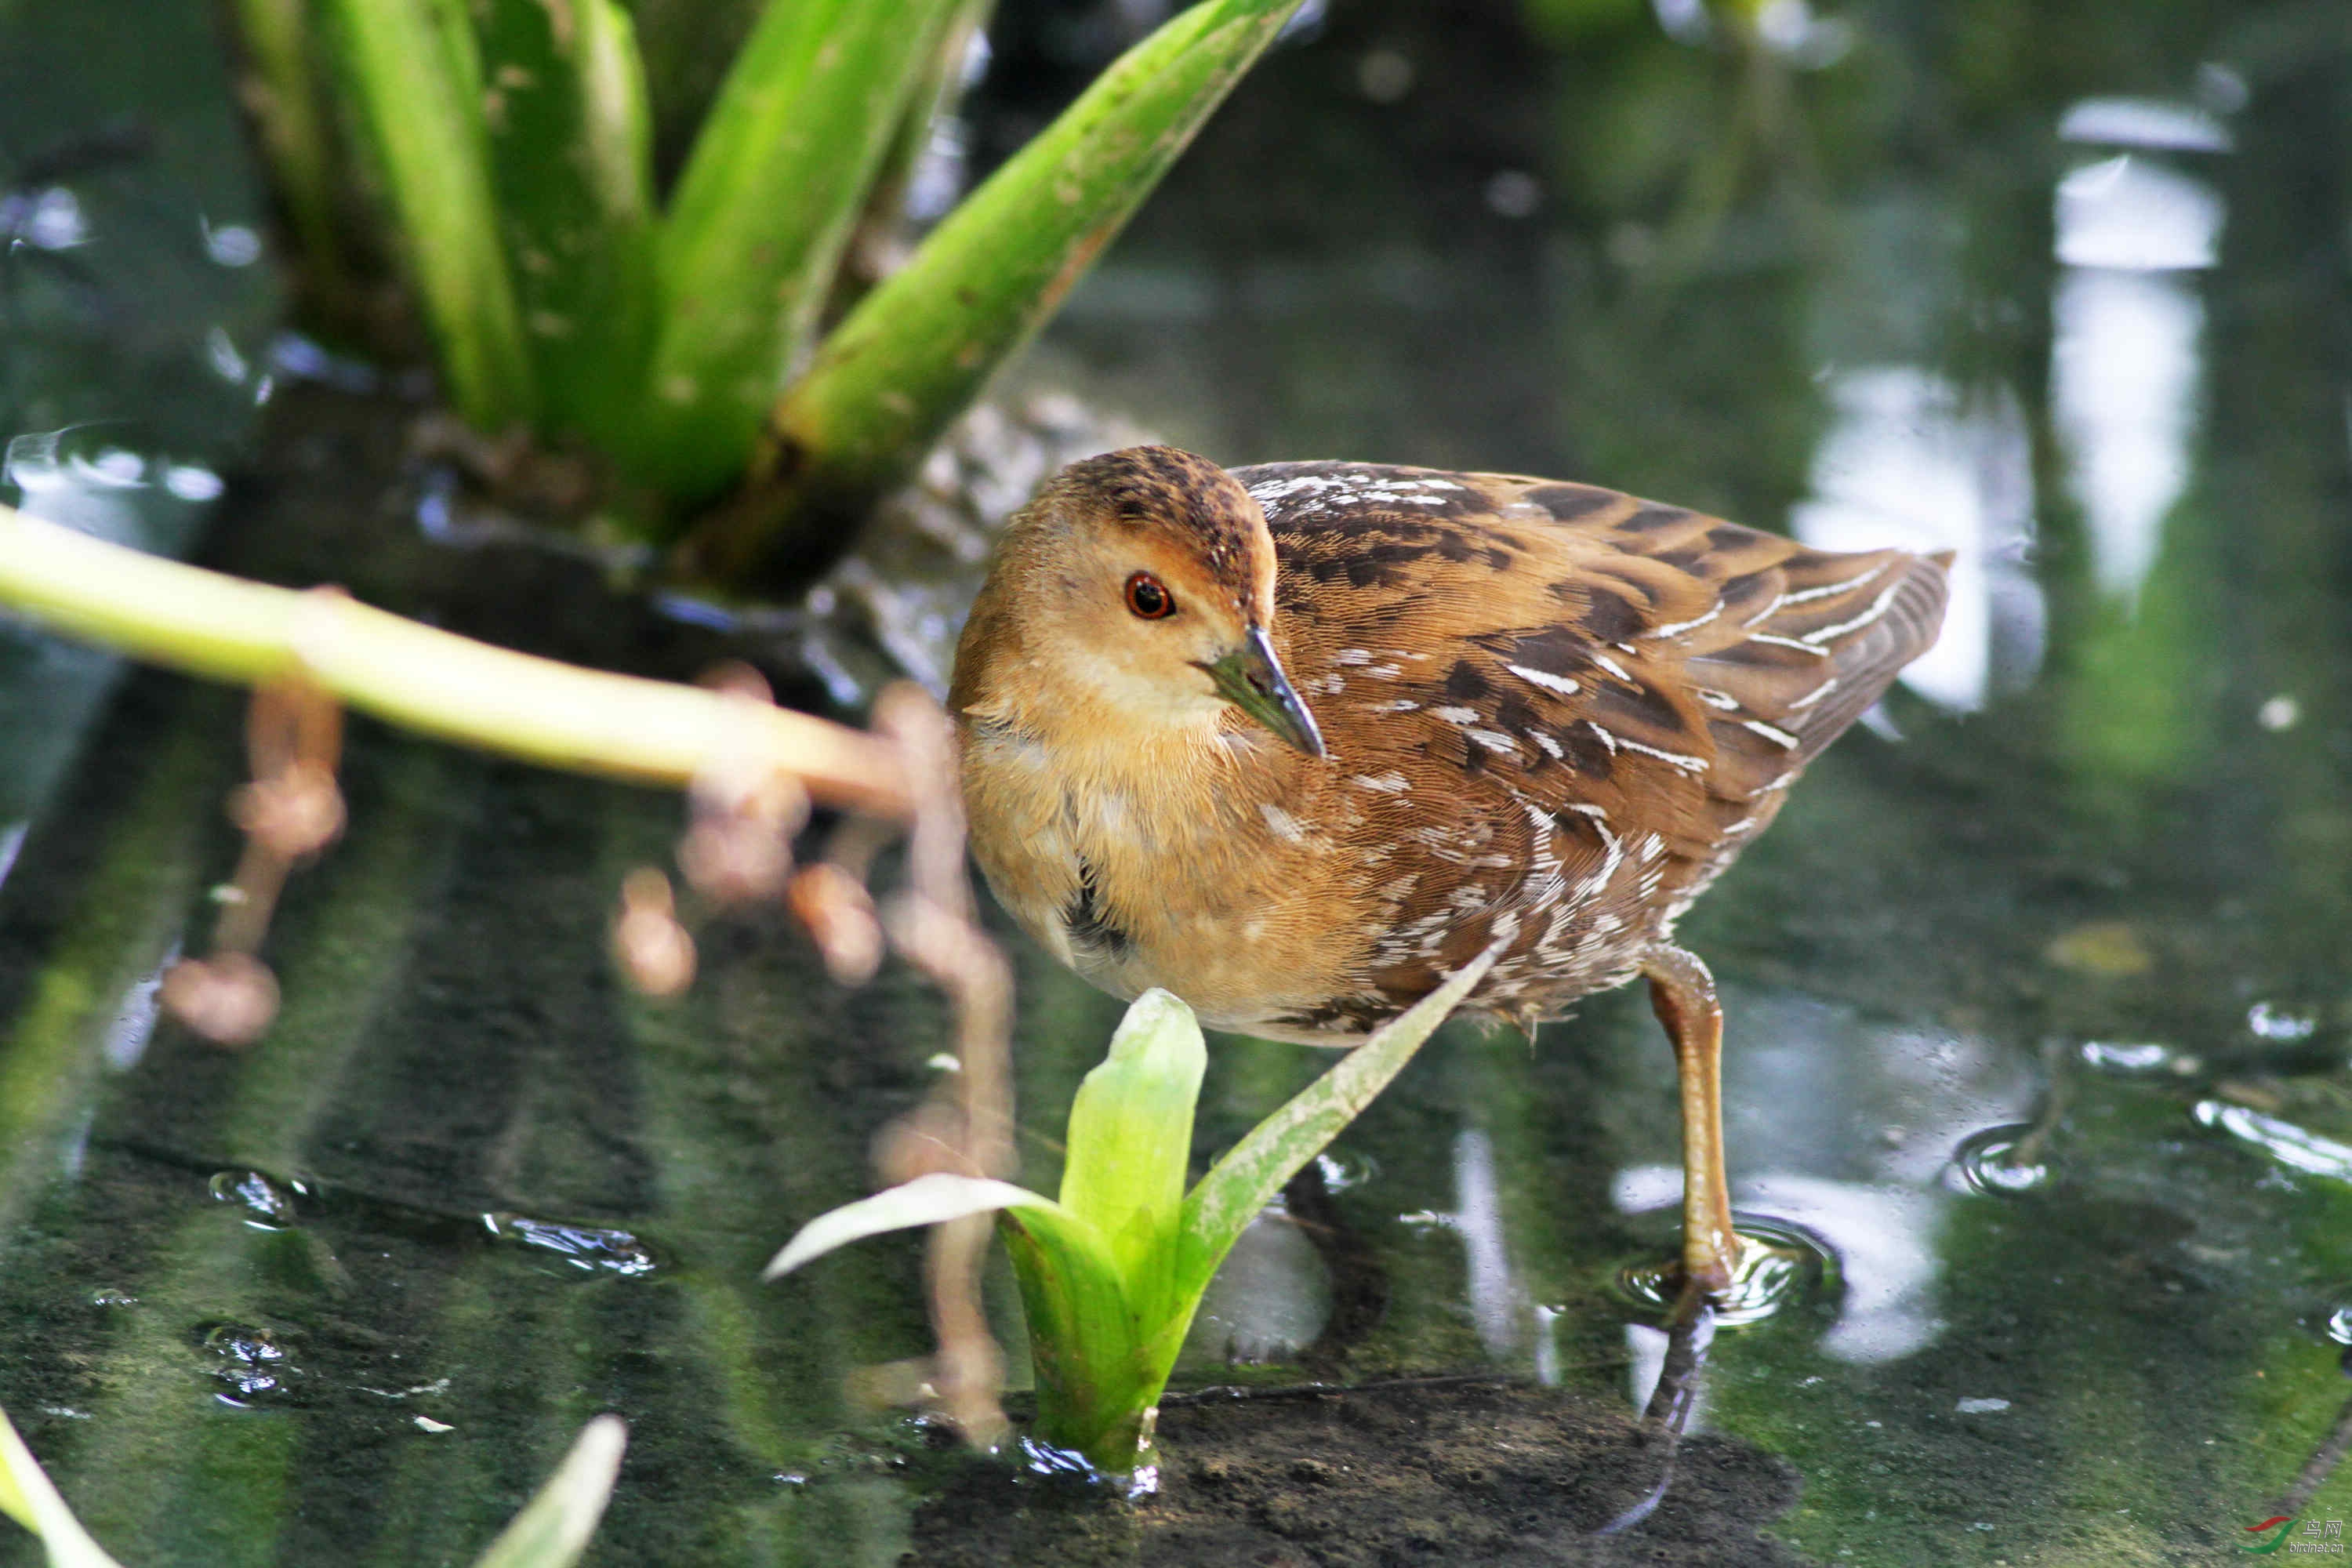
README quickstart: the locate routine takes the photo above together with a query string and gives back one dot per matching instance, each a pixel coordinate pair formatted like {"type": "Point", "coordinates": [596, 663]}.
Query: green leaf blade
{"type": "Point", "coordinates": [292, 118]}
{"type": "Point", "coordinates": [926, 1200]}
{"type": "Point", "coordinates": [755, 232]}
{"type": "Point", "coordinates": [1253, 1171]}
{"type": "Point", "coordinates": [413, 67]}
{"type": "Point", "coordinates": [1086, 1345]}
{"type": "Point", "coordinates": [571, 157]}
{"type": "Point", "coordinates": [28, 1496]}
{"type": "Point", "coordinates": [917, 349]}
{"type": "Point", "coordinates": [555, 1527]}
{"type": "Point", "coordinates": [1130, 1143]}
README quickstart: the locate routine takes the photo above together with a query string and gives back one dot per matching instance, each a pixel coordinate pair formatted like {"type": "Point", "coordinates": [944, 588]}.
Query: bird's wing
{"type": "Point", "coordinates": [1538, 690]}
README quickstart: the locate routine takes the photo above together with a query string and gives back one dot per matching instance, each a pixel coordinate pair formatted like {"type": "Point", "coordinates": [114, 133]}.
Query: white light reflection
{"type": "Point", "coordinates": [190, 483]}
{"type": "Point", "coordinates": [220, 349]}
{"type": "Point", "coordinates": [75, 478]}
{"type": "Point", "coordinates": [232, 244]}
{"type": "Point", "coordinates": [2127, 349]}
{"type": "Point", "coordinates": [57, 486]}
{"type": "Point", "coordinates": [2145, 122]}
{"type": "Point", "coordinates": [1911, 460]}
{"type": "Point", "coordinates": [55, 221]}
{"type": "Point", "coordinates": [1645, 1349]}
{"type": "Point", "coordinates": [2123, 381]}
{"type": "Point", "coordinates": [1850, 1126]}
{"type": "Point", "coordinates": [1494, 1303]}
{"type": "Point", "coordinates": [1270, 1299]}
{"type": "Point", "coordinates": [134, 1020]}
{"type": "Point", "coordinates": [2131, 213]}
{"type": "Point", "coordinates": [1497, 1305]}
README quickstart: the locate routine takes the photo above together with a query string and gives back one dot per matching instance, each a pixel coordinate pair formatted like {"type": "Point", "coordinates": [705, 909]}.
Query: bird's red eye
{"type": "Point", "coordinates": [1148, 599]}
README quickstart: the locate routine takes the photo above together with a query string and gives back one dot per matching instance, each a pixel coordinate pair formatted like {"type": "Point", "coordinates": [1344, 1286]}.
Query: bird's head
{"type": "Point", "coordinates": [1143, 578]}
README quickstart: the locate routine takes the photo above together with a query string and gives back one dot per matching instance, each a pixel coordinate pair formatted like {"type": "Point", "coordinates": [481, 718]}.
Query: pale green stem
{"type": "Point", "coordinates": [434, 682]}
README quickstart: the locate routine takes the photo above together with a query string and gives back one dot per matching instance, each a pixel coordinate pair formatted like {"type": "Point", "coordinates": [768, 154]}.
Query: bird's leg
{"type": "Point", "coordinates": [1683, 994]}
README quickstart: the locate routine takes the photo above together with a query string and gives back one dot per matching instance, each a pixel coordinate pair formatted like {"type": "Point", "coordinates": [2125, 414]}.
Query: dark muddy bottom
{"type": "Point", "coordinates": [1421, 1473]}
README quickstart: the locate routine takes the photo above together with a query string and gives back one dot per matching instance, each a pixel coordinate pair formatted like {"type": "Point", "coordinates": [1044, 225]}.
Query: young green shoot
{"type": "Point", "coordinates": [1112, 1271]}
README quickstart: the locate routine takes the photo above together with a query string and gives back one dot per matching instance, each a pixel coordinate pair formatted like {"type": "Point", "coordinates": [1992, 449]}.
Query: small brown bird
{"type": "Point", "coordinates": [1296, 741]}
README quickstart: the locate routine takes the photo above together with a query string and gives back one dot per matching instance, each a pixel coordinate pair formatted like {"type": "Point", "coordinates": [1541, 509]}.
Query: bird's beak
{"type": "Point", "coordinates": [1251, 678]}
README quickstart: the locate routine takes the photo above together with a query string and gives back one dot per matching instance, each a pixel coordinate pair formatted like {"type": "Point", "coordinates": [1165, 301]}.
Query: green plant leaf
{"type": "Point", "coordinates": [1245, 1180]}
{"type": "Point", "coordinates": [926, 1200]}
{"type": "Point", "coordinates": [571, 163]}
{"type": "Point", "coordinates": [917, 349]}
{"type": "Point", "coordinates": [1094, 1384]}
{"type": "Point", "coordinates": [755, 231]}
{"type": "Point", "coordinates": [414, 68]}
{"type": "Point", "coordinates": [880, 220]}
{"type": "Point", "coordinates": [291, 116]}
{"type": "Point", "coordinates": [553, 1528]}
{"type": "Point", "coordinates": [1130, 1142]}
{"type": "Point", "coordinates": [27, 1496]}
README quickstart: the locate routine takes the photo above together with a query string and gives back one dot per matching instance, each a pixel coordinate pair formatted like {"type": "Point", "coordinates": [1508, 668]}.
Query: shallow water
{"type": "Point", "coordinates": [2038, 1014]}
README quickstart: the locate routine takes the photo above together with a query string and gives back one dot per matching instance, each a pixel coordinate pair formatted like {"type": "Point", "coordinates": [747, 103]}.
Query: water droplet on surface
{"type": "Point", "coordinates": [192, 483]}
{"type": "Point", "coordinates": [112, 468]}
{"type": "Point", "coordinates": [268, 1204]}
{"type": "Point", "coordinates": [2139, 1058]}
{"type": "Point", "coordinates": [1343, 1172]}
{"type": "Point", "coordinates": [1778, 1266]}
{"type": "Point", "coordinates": [2270, 1023]}
{"type": "Point", "coordinates": [111, 1297]}
{"type": "Point", "coordinates": [1987, 1162]}
{"type": "Point", "coordinates": [251, 1361]}
{"type": "Point", "coordinates": [582, 1247]}
{"type": "Point", "coordinates": [2297, 1148]}
{"type": "Point", "coordinates": [232, 245]}
{"type": "Point", "coordinates": [2339, 1324]}
{"type": "Point", "coordinates": [1041, 1459]}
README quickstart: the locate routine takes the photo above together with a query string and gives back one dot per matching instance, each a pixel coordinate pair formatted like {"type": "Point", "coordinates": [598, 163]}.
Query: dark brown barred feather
{"type": "Point", "coordinates": [1618, 695]}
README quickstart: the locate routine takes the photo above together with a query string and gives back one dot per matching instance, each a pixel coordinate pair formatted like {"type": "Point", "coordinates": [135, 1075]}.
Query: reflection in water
{"type": "Point", "coordinates": [1270, 1300]}
{"type": "Point", "coordinates": [1850, 1126]}
{"type": "Point", "coordinates": [1882, 1234]}
{"type": "Point", "coordinates": [2124, 378]}
{"type": "Point", "coordinates": [81, 478]}
{"type": "Point", "coordinates": [1779, 1266]}
{"type": "Point", "coordinates": [2127, 350]}
{"type": "Point", "coordinates": [2297, 1148]}
{"type": "Point", "coordinates": [589, 1248]}
{"type": "Point", "coordinates": [267, 1203]}
{"type": "Point", "coordinates": [1911, 460]}
{"type": "Point", "coordinates": [1495, 1304]}
{"type": "Point", "coordinates": [2128, 213]}
{"type": "Point", "coordinates": [1646, 1348]}
{"type": "Point", "coordinates": [1669, 1388]}
{"type": "Point", "coordinates": [2000, 1161]}
{"type": "Point", "coordinates": [134, 1019]}
{"type": "Point", "coordinates": [2145, 122]}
